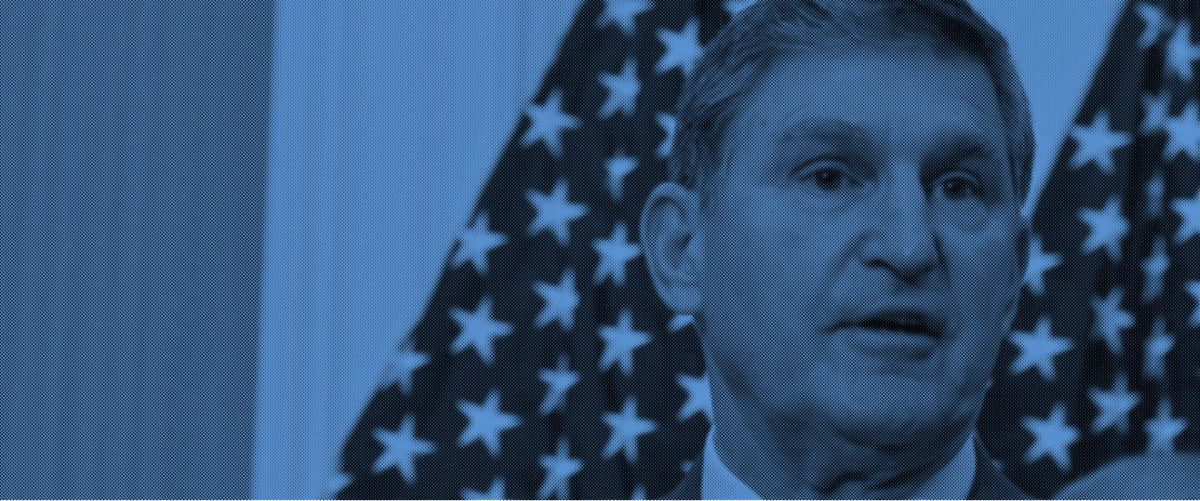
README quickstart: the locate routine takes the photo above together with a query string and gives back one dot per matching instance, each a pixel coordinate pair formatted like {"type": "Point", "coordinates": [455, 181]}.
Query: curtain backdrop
{"type": "Point", "coordinates": [386, 119]}
{"type": "Point", "coordinates": [133, 152]}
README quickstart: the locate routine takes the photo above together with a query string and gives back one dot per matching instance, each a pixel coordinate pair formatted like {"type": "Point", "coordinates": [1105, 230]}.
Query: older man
{"type": "Point", "coordinates": [843, 222]}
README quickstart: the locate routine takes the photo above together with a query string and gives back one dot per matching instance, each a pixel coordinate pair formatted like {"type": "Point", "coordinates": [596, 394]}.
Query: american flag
{"type": "Point", "coordinates": [1104, 355]}
{"type": "Point", "coordinates": [545, 365]}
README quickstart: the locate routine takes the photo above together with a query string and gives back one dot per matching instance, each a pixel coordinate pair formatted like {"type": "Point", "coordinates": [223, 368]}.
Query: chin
{"type": "Point", "coordinates": [902, 419]}
{"type": "Point", "coordinates": [892, 431]}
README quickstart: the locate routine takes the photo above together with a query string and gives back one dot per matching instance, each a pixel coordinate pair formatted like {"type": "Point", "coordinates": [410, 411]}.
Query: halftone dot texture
{"type": "Point", "coordinates": [1104, 358]}
{"type": "Point", "coordinates": [546, 366]}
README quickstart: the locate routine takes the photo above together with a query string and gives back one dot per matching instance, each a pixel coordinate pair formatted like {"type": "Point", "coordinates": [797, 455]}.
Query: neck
{"type": "Point", "coordinates": [807, 460]}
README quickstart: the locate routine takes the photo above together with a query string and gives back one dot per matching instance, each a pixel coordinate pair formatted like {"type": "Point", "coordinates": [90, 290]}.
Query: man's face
{"type": "Point", "coordinates": [860, 249]}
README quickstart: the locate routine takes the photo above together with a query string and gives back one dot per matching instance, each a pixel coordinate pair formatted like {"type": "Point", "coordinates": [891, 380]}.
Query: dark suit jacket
{"type": "Point", "coordinates": [989, 483]}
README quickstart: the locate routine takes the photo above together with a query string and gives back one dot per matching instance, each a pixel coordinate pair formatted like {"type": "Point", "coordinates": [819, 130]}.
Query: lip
{"type": "Point", "coordinates": [887, 343]}
{"type": "Point", "coordinates": [930, 320]}
{"type": "Point", "coordinates": [894, 331]}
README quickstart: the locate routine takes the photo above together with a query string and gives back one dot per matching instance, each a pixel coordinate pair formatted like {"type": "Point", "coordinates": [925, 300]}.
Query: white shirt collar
{"type": "Point", "coordinates": [953, 481]}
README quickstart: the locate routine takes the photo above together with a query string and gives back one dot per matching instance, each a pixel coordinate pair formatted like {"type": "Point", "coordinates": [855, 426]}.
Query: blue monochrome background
{"type": "Point", "coordinates": [221, 219]}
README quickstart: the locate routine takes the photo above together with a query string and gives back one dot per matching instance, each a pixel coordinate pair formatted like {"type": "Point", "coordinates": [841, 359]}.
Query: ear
{"type": "Point", "coordinates": [673, 245]}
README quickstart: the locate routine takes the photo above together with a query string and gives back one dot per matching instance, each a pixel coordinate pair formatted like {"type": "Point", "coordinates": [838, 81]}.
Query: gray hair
{"type": "Point", "coordinates": [734, 60]}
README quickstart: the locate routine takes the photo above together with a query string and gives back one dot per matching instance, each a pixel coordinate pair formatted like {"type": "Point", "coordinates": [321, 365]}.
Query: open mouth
{"type": "Point", "coordinates": [909, 324]}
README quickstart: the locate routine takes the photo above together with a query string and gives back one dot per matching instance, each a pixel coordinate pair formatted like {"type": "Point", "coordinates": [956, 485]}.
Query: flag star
{"type": "Point", "coordinates": [558, 382]}
{"type": "Point", "coordinates": [681, 48]}
{"type": "Point", "coordinates": [619, 342]}
{"type": "Point", "coordinates": [699, 399]}
{"type": "Point", "coordinates": [1189, 217]}
{"type": "Point", "coordinates": [667, 122]}
{"type": "Point", "coordinates": [1051, 437]}
{"type": "Point", "coordinates": [1154, 111]}
{"type": "Point", "coordinates": [680, 321]}
{"type": "Point", "coordinates": [735, 6]}
{"type": "Point", "coordinates": [622, 91]}
{"type": "Point", "coordinates": [478, 329]}
{"type": "Point", "coordinates": [1155, 24]}
{"type": "Point", "coordinates": [495, 491]}
{"type": "Point", "coordinates": [685, 466]}
{"type": "Point", "coordinates": [1155, 267]}
{"type": "Point", "coordinates": [639, 492]}
{"type": "Point", "coordinates": [621, 13]}
{"type": "Point", "coordinates": [1038, 348]}
{"type": "Point", "coordinates": [474, 244]}
{"type": "Point", "coordinates": [547, 122]}
{"type": "Point", "coordinates": [400, 450]}
{"type": "Point", "coordinates": [1113, 406]}
{"type": "Point", "coordinates": [485, 423]}
{"type": "Point", "coordinates": [1107, 228]}
{"type": "Point", "coordinates": [1110, 319]}
{"type": "Point", "coordinates": [336, 483]}
{"type": "Point", "coordinates": [1193, 288]}
{"type": "Point", "coordinates": [1162, 430]}
{"type": "Point", "coordinates": [1183, 134]}
{"type": "Point", "coordinates": [559, 469]}
{"type": "Point", "coordinates": [560, 299]}
{"type": "Point", "coordinates": [404, 364]}
{"type": "Point", "coordinates": [1156, 348]}
{"type": "Point", "coordinates": [615, 253]}
{"type": "Point", "coordinates": [1039, 263]}
{"type": "Point", "coordinates": [554, 212]}
{"type": "Point", "coordinates": [1155, 189]}
{"type": "Point", "coordinates": [626, 427]}
{"type": "Point", "coordinates": [1096, 143]}
{"type": "Point", "coordinates": [1181, 53]}
{"type": "Point", "coordinates": [619, 166]}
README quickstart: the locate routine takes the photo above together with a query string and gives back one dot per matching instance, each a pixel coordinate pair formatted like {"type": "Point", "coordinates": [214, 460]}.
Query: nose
{"type": "Point", "coordinates": [902, 238]}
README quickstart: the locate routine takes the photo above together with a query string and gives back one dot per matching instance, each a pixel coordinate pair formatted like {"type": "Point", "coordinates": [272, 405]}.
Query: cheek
{"type": "Point", "coordinates": [739, 268]}
{"type": "Point", "coordinates": [984, 272]}
{"type": "Point", "coordinates": [759, 269]}
{"type": "Point", "coordinates": [727, 276]}
{"type": "Point", "coordinates": [986, 260]}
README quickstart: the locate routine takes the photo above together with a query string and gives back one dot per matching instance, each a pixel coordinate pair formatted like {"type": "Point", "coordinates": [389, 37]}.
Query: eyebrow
{"type": "Point", "coordinates": [835, 129]}
{"type": "Point", "coordinates": [970, 145]}
{"type": "Point", "coordinates": [825, 128]}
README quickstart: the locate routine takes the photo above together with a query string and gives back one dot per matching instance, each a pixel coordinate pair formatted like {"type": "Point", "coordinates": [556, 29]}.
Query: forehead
{"type": "Point", "coordinates": [907, 94]}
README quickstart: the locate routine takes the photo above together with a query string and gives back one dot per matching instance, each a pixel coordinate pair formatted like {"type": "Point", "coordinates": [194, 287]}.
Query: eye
{"type": "Point", "coordinates": [829, 179]}
{"type": "Point", "coordinates": [826, 176]}
{"type": "Point", "coordinates": [958, 186]}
